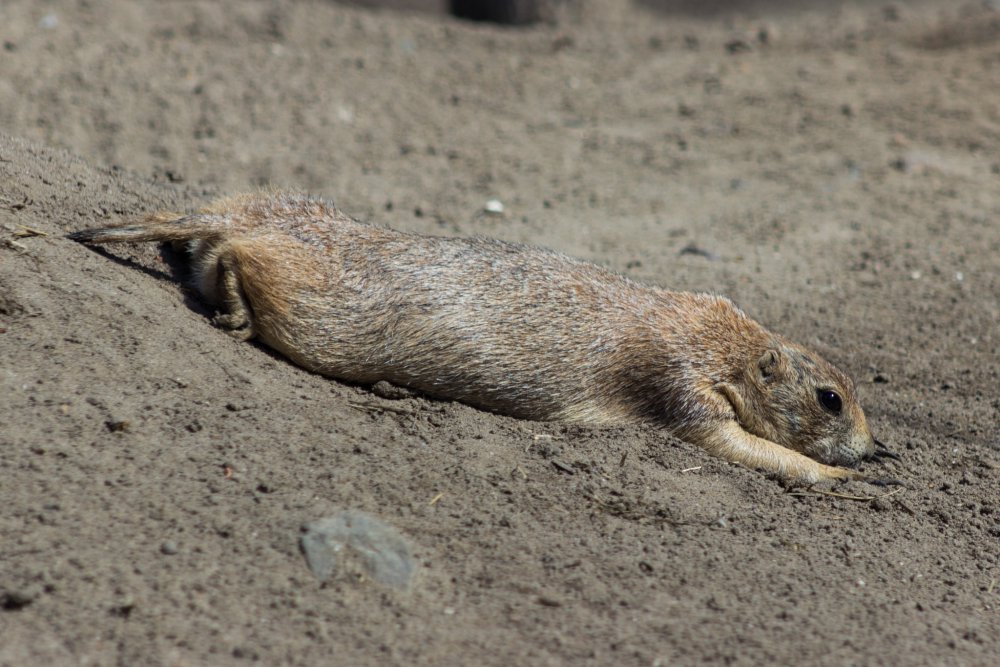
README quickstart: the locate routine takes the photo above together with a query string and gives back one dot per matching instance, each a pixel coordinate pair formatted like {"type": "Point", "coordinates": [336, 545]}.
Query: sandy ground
{"type": "Point", "coordinates": [838, 166]}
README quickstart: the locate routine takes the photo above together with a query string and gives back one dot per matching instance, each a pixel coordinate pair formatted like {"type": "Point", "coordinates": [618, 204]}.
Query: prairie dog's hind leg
{"type": "Point", "coordinates": [237, 316]}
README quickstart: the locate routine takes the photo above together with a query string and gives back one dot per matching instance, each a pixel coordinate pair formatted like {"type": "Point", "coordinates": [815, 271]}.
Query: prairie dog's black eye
{"type": "Point", "coordinates": [830, 400]}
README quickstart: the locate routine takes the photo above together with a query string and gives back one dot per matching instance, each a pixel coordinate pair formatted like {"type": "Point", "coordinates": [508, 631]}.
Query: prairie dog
{"type": "Point", "coordinates": [515, 329]}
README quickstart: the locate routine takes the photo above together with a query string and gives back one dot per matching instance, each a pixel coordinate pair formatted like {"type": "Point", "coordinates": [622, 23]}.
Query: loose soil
{"type": "Point", "coordinates": [834, 168]}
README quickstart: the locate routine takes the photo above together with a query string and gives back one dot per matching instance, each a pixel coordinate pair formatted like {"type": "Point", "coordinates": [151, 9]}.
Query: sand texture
{"type": "Point", "coordinates": [835, 170]}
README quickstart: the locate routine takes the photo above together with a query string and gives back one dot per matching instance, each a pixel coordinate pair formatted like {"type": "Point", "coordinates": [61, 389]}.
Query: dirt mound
{"type": "Point", "coordinates": [833, 170]}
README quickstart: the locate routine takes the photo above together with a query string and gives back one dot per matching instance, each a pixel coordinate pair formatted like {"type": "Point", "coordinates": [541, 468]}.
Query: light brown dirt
{"type": "Point", "coordinates": [839, 167]}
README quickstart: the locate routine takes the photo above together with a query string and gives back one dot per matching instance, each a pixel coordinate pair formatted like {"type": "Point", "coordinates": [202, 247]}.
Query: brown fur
{"type": "Point", "coordinates": [511, 328]}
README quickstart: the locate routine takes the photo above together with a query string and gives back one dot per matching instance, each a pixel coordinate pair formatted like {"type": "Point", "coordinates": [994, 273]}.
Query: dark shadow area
{"type": "Point", "coordinates": [177, 272]}
{"type": "Point", "coordinates": [712, 8]}
{"type": "Point", "coordinates": [504, 12]}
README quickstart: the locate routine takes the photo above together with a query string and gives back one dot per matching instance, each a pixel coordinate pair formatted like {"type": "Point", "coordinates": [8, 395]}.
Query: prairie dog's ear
{"type": "Point", "coordinates": [770, 364]}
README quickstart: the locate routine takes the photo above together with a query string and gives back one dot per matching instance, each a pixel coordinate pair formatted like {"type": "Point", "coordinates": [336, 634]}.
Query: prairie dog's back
{"type": "Point", "coordinates": [517, 329]}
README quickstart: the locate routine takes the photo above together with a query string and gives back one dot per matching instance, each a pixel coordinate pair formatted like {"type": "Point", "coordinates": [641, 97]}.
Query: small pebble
{"type": "Point", "coordinates": [14, 600]}
{"type": "Point", "coordinates": [118, 425]}
{"type": "Point", "coordinates": [494, 207]}
{"type": "Point", "coordinates": [881, 505]}
{"type": "Point", "coordinates": [168, 548]}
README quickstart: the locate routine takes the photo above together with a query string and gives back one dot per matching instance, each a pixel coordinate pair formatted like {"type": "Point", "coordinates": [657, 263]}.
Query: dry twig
{"type": "Point", "coordinates": [843, 496]}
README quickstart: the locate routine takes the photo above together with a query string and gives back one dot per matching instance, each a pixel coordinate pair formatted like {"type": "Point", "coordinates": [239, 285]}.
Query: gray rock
{"type": "Point", "coordinates": [378, 548]}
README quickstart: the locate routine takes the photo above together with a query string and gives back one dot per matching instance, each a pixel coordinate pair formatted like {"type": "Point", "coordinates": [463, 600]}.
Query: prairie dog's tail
{"type": "Point", "coordinates": [165, 226]}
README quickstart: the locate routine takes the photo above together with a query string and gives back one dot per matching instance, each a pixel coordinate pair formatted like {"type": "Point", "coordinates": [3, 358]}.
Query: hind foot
{"type": "Point", "coordinates": [235, 324]}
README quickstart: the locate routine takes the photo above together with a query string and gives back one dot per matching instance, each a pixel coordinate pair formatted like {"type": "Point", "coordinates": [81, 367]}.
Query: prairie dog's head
{"type": "Point", "coordinates": [794, 398]}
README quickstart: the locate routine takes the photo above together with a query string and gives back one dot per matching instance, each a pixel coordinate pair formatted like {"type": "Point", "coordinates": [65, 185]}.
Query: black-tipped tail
{"type": "Point", "coordinates": [159, 227]}
{"type": "Point", "coordinates": [105, 234]}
